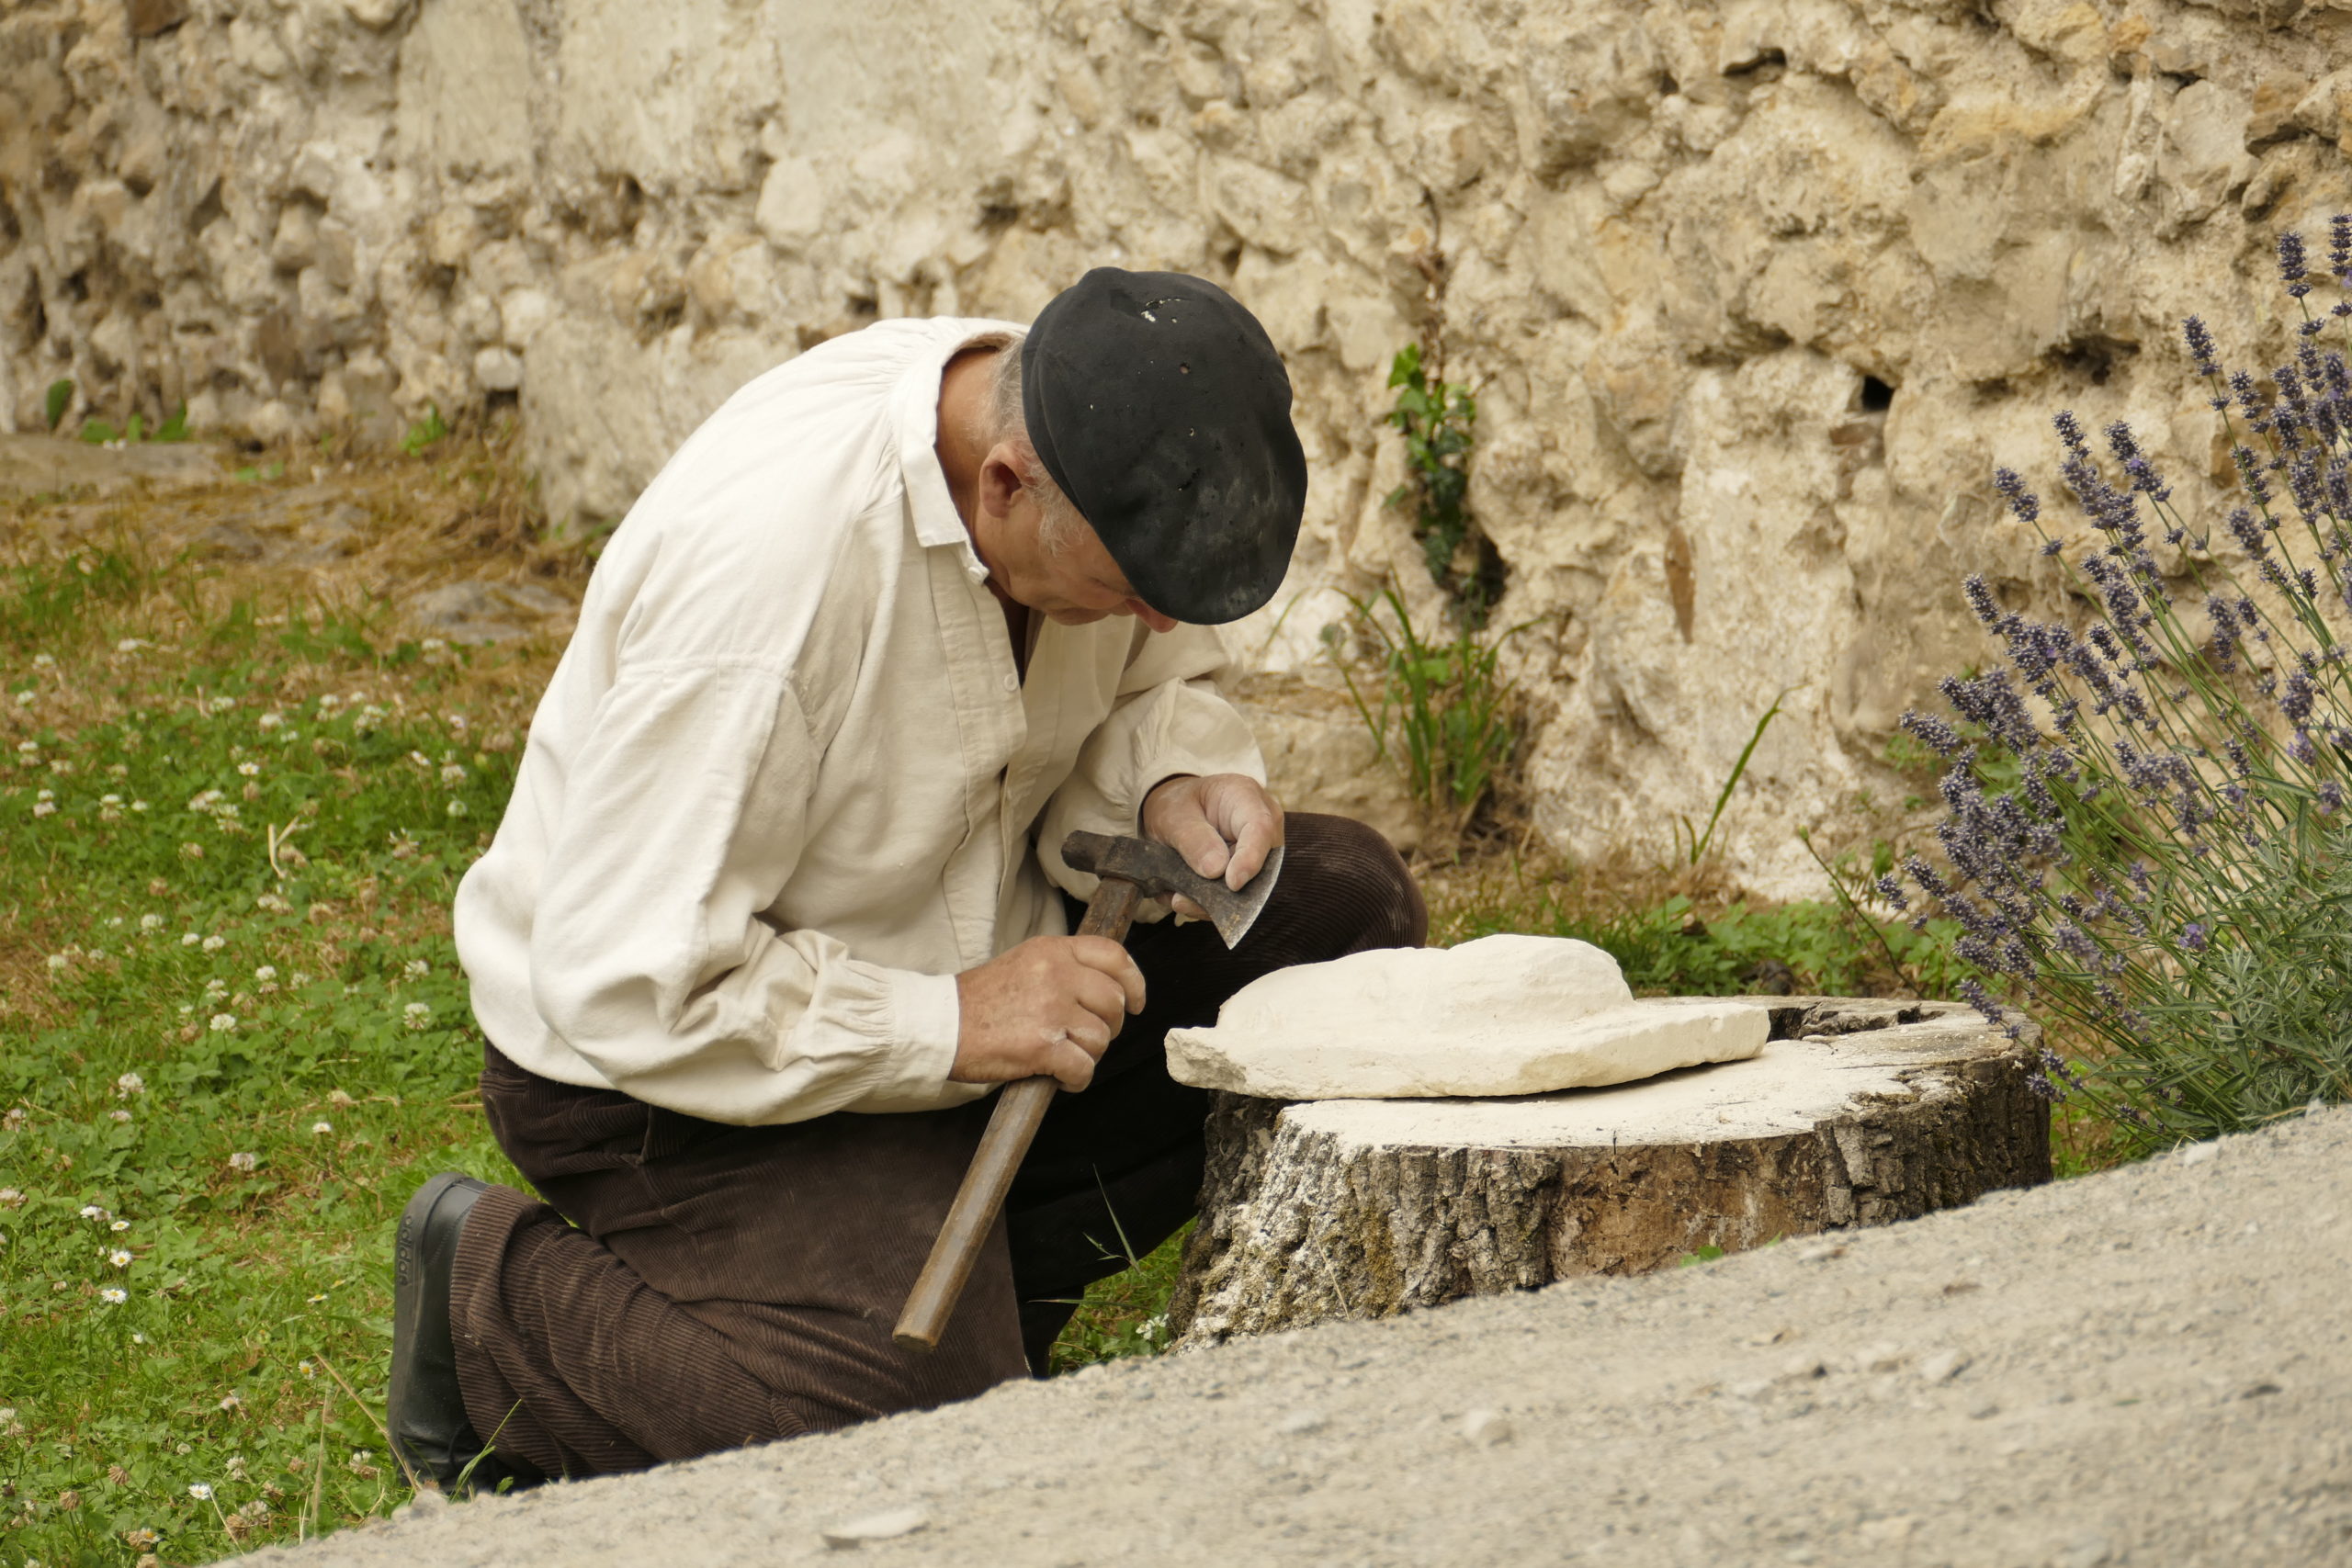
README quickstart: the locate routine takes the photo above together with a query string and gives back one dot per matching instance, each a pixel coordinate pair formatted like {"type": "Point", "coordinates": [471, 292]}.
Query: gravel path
{"type": "Point", "coordinates": [2146, 1366]}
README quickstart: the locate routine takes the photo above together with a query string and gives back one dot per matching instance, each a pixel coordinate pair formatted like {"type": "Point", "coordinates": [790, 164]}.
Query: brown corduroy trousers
{"type": "Point", "coordinates": [729, 1285]}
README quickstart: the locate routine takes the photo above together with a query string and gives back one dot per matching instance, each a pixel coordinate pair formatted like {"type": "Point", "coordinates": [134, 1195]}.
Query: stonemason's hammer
{"type": "Point", "coordinates": [1131, 870]}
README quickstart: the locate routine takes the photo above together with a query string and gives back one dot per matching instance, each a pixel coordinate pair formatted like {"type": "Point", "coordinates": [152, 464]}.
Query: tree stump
{"type": "Point", "coordinates": [1857, 1112]}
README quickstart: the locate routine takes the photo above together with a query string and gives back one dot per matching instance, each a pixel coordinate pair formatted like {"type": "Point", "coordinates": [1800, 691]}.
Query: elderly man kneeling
{"type": "Point", "coordinates": [778, 898]}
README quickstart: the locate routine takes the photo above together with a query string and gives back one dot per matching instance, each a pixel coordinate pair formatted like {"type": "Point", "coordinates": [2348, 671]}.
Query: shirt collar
{"type": "Point", "coordinates": [915, 410]}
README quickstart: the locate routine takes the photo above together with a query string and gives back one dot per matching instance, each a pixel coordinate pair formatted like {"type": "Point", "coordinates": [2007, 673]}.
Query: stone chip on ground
{"type": "Point", "coordinates": [2107, 1442]}
{"type": "Point", "coordinates": [1504, 1015]}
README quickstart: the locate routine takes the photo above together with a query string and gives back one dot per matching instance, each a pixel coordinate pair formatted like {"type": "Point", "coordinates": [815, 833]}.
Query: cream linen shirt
{"type": "Point", "coordinates": [786, 783]}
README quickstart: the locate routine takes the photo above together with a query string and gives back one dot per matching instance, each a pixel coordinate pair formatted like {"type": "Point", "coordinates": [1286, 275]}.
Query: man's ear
{"type": "Point", "coordinates": [1000, 481]}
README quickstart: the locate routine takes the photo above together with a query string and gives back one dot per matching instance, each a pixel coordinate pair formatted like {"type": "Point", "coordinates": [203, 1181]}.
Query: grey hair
{"type": "Point", "coordinates": [1058, 520]}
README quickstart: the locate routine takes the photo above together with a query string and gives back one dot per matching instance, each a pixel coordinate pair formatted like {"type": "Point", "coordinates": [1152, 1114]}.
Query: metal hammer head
{"type": "Point", "coordinates": [1158, 872]}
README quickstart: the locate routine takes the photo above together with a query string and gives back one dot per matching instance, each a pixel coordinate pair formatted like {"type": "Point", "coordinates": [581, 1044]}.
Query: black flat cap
{"type": "Point", "coordinates": [1159, 406]}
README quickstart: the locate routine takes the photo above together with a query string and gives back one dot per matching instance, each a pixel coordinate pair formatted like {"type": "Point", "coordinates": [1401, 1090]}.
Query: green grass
{"type": "Point", "coordinates": [233, 1038]}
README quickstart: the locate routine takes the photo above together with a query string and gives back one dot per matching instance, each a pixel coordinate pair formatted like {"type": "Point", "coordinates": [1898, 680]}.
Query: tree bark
{"type": "Point", "coordinates": [1857, 1113]}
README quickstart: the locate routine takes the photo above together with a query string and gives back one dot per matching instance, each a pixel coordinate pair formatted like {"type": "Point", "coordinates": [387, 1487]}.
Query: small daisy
{"type": "Point", "coordinates": [119, 1226]}
{"type": "Point", "coordinates": [251, 769]}
{"type": "Point", "coordinates": [231, 1401]}
{"type": "Point", "coordinates": [200, 1490]}
{"type": "Point", "coordinates": [306, 1369]}
{"type": "Point", "coordinates": [114, 1295]}
{"type": "Point", "coordinates": [319, 1127]}
{"type": "Point", "coordinates": [119, 1259]}
{"type": "Point", "coordinates": [92, 1212]}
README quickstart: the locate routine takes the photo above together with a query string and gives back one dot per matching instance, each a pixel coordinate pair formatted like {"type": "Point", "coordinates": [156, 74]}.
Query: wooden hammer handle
{"type": "Point", "coordinates": [1020, 1107]}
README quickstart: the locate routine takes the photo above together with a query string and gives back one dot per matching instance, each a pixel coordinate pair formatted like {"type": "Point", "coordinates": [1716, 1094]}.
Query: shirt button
{"type": "Point", "coordinates": [1012, 682]}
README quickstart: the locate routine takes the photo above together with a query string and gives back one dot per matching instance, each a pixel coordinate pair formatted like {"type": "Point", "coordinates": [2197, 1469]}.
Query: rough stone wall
{"type": "Point", "coordinates": [1754, 291]}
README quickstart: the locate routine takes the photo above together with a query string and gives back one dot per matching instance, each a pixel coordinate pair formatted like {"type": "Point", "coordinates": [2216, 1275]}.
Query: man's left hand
{"type": "Point", "coordinates": [1222, 824]}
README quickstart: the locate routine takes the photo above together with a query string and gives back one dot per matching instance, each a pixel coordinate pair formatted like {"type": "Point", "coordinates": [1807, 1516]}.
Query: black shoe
{"type": "Point", "coordinates": [428, 1411]}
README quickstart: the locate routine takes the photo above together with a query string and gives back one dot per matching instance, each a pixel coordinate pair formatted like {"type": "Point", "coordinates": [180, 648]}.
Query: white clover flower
{"type": "Point", "coordinates": [120, 1115]}
{"type": "Point", "coordinates": [200, 1490]}
{"type": "Point", "coordinates": [44, 660]}
{"type": "Point", "coordinates": [44, 808]}
{"type": "Point", "coordinates": [111, 800]}
{"type": "Point", "coordinates": [114, 1295]}
{"type": "Point", "coordinates": [115, 924]}
{"type": "Point", "coordinates": [224, 814]}
{"type": "Point", "coordinates": [28, 748]}
{"type": "Point", "coordinates": [242, 1160]}
{"type": "Point", "coordinates": [420, 759]}
{"type": "Point", "coordinates": [92, 1212]}
{"type": "Point", "coordinates": [274, 904]}
{"type": "Point", "coordinates": [190, 940]}
{"type": "Point", "coordinates": [45, 795]}
{"type": "Point", "coordinates": [150, 923]}
{"type": "Point", "coordinates": [10, 1199]}
{"type": "Point", "coordinates": [129, 1084]}
{"type": "Point", "coordinates": [416, 1015]}
{"type": "Point", "coordinates": [432, 645]}
{"type": "Point", "coordinates": [266, 971]}
{"type": "Point", "coordinates": [204, 800]}
{"type": "Point", "coordinates": [453, 773]}
{"type": "Point", "coordinates": [272, 720]}
{"type": "Point", "coordinates": [457, 808]}
{"type": "Point", "coordinates": [215, 989]}
{"type": "Point", "coordinates": [58, 961]}
{"type": "Point", "coordinates": [318, 1128]}
{"type": "Point", "coordinates": [119, 1259]}
{"type": "Point", "coordinates": [416, 968]}
{"type": "Point", "coordinates": [24, 699]}
{"type": "Point", "coordinates": [215, 943]}
{"type": "Point", "coordinates": [231, 1401]}
{"type": "Point", "coordinates": [251, 769]}
{"type": "Point", "coordinates": [119, 1226]}
{"type": "Point", "coordinates": [223, 1022]}
{"type": "Point", "coordinates": [95, 953]}
{"type": "Point", "coordinates": [139, 805]}
{"type": "Point", "coordinates": [128, 645]}
{"type": "Point", "coordinates": [298, 979]}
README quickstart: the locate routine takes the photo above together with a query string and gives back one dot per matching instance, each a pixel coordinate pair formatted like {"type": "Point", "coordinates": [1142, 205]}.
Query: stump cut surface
{"type": "Point", "coordinates": [1856, 1113]}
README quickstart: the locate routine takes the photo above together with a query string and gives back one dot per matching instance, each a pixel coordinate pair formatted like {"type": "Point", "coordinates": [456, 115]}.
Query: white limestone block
{"type": "Point", "coordinates": [1505, 1015]}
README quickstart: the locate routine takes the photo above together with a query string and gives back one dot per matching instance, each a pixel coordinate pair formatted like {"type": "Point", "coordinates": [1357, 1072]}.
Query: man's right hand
{"type": "Point", "coordinates": [1047, 1009]}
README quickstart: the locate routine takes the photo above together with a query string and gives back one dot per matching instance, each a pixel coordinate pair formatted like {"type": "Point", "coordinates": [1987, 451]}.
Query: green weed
{"type": "Point", "coordinates": [1439, 421]}
{"type": "Point", "coordinates": [1444, 715]}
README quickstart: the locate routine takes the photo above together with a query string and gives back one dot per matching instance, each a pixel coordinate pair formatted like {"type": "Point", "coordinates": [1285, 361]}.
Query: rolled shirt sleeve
{"type": "Point", "coordinates": [687, 808]}
{"type": "Point", "coordinates": [1169, 717]}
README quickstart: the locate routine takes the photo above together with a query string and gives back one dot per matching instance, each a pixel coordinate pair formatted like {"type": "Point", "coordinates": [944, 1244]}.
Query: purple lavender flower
{"type": "Point", "coordinates": [2201, 352]}
{"type": "Point", "coordinates": [2292, 265]}
{"type": "Point", "coordinates": [2339, 245]}
{"type": "Point", "coordinates": [2193, 936]}
{"type": "Point", "coordinates": [2331, 798]}
{"type": "Point", "coordinates": [1891, 891]}
{"type": "Point", "coordinates": [2023, 502]}
{"type": "Point", "coordinates": [2296, 701]}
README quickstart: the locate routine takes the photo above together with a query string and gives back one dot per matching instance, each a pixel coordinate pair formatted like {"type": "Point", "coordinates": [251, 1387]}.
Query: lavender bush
{"type": "Point", "coordinates": [2145, 834]}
